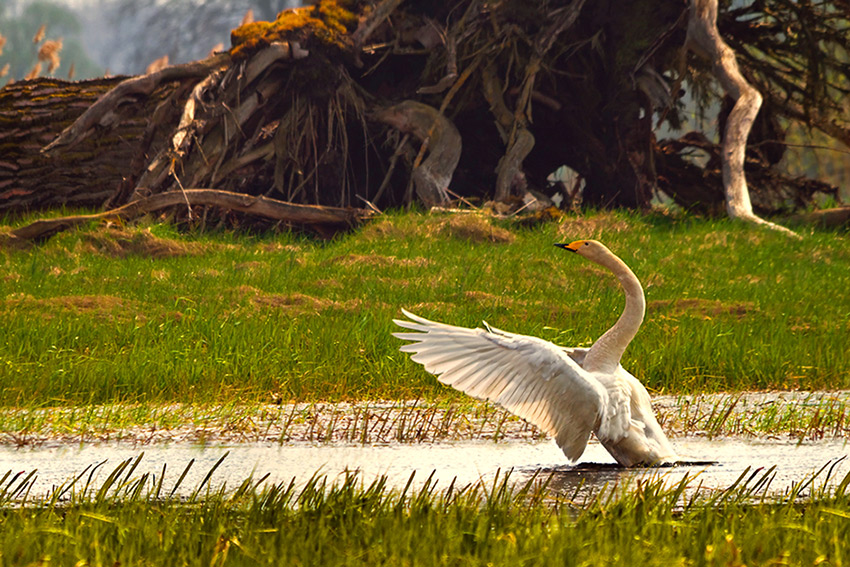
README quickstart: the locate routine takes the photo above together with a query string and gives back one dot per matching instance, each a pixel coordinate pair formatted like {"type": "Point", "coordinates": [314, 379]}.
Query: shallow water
{"type": "Point", "coordinates": [464, 462]}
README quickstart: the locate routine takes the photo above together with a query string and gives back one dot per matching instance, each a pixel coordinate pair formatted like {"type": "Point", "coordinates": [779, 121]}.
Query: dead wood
{"type": "Point", "coordinates": [518, 139]}
{"type": "Point", "coordinates": [512, 129]}
{"type": "Point", "coordinates": [104, 113]}
{"type": "Point", "coordinates": [442, 139]}
{"type": "Point", "coordinates": [201, 151]}
{"type": "Point", "coordinates": [372, 20]}
{"type": "Point", "coordinates": [260, 206]}
{"type": "Point", "coordinates": [33, 112]}
{"type": "Point", "coordinates": [322, 105]}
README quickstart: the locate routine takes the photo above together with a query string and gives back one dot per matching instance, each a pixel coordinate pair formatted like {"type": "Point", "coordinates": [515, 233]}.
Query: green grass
{"type": "Point", "coordinates": [151, 315]}
{"type": "Point", "coordinates": [113, 332]}
{"type": "Point", "coordinates": [134, 521]}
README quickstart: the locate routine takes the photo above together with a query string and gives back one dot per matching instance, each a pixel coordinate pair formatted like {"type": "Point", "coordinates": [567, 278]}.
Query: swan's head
{"type": "Point", "coordinates": [590, 249]}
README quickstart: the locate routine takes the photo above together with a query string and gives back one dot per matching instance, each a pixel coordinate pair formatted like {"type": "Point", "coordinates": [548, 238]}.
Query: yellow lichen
{"type": "Point", "coordinates": [328, 22]}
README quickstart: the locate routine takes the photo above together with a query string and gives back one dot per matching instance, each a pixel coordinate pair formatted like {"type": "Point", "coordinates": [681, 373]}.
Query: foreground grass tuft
{"type": "Point", "coordinates": [131, 521]}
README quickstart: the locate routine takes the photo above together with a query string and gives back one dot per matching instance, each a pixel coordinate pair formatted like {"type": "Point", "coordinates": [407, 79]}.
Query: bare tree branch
{"type": "Point", "coordinates": [103, 112]}
{"type": "Point", "coordinates": [261, 206]}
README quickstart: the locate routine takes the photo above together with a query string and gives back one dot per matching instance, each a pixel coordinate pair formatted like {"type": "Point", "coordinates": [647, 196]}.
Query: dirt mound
{"type": "Point", "coordinates": [700, 307]}
{"type": "Point", "coordinates": [122, 242]}
{"type": "Point", "coordinates": [475, 228]}
{"type": "Point", "coordinates": [100, 306]}
{"type": "Point", "coordinates": [296, 303]}
{"type": "Point", "coordinates": [377, 260]}
{"type": "Point", "coordinates": [592, 227]}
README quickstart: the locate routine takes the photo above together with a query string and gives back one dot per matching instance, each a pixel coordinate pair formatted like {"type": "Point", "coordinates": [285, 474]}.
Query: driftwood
{"type": "Point", "coordinates": [260, 206]}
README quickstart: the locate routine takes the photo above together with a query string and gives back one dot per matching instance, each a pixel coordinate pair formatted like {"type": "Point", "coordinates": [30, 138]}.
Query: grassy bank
{"type": "Point", "coordinates": [136, 523]}
{"type": "Point", "coordinates": [144, 314]}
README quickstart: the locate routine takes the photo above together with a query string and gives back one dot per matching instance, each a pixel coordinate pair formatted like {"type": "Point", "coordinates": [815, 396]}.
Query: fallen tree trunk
{"type": "Point", "coordinates": [273, 209]}
{"type": "Point", "coordinates": [32, 113]}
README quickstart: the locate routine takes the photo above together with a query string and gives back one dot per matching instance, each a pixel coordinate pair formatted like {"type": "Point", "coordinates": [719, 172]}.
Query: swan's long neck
{"type": "Point", "coordinates": [605, 354]}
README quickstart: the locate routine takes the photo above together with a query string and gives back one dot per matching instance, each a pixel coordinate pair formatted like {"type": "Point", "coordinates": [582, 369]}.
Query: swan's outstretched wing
{"type": "Point", "coordinates": [530, 377]}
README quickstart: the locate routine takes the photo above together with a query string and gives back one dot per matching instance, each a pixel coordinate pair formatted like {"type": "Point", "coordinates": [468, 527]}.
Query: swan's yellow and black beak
{"type": "Point", "coordinates": [572, 246]}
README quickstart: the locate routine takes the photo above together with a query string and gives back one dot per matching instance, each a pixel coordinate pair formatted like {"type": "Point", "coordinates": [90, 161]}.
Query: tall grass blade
{"type": "Point", "coordinates": [209, 474]}
{"type": "Point", "coordinates": [182, 477]}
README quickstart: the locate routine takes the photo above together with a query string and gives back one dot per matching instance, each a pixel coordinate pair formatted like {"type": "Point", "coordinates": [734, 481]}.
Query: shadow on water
{"type": "Point", "coordinates": [181, 468]}
{"type": "Point", "coordinates": [777, 465]}
{"type": "Point", "coordinates": [590, 477]}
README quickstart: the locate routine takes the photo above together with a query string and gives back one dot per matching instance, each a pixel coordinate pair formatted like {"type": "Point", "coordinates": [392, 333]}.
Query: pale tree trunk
{"type": "Point", "coordinates": [704, 39]}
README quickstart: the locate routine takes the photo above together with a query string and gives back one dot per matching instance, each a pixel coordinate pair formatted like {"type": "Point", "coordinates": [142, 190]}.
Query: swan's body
{"type": "Point", "coordinates": [566, 392]}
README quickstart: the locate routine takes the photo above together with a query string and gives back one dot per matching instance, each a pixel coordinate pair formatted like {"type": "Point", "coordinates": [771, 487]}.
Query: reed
{"type": "Point", "coordinates": [131, 520]}
{"type": "Point", "coordinates": [795, 416]}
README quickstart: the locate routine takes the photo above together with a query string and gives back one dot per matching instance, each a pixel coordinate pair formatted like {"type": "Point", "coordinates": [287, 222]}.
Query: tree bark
{"type": "Point", "coordinates": [33, 112]}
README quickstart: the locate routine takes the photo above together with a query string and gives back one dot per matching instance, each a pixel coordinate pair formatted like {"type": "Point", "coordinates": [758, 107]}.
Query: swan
{"type": "Point", "coordinates": [566, 392]}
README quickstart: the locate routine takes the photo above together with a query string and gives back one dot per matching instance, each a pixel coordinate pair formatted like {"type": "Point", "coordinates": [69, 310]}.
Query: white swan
{"type": "Point", "coordinates": [566, 392]}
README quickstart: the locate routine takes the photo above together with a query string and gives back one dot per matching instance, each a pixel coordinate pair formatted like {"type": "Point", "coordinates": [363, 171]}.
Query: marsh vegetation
{"type": "Point", "coordinates": [144, 334]}
{"type": "Point", "coordinates": [499, 522]}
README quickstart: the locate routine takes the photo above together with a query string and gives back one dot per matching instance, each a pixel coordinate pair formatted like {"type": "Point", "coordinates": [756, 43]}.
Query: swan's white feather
{"type": "Point", "coordinates": [532, 378]}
